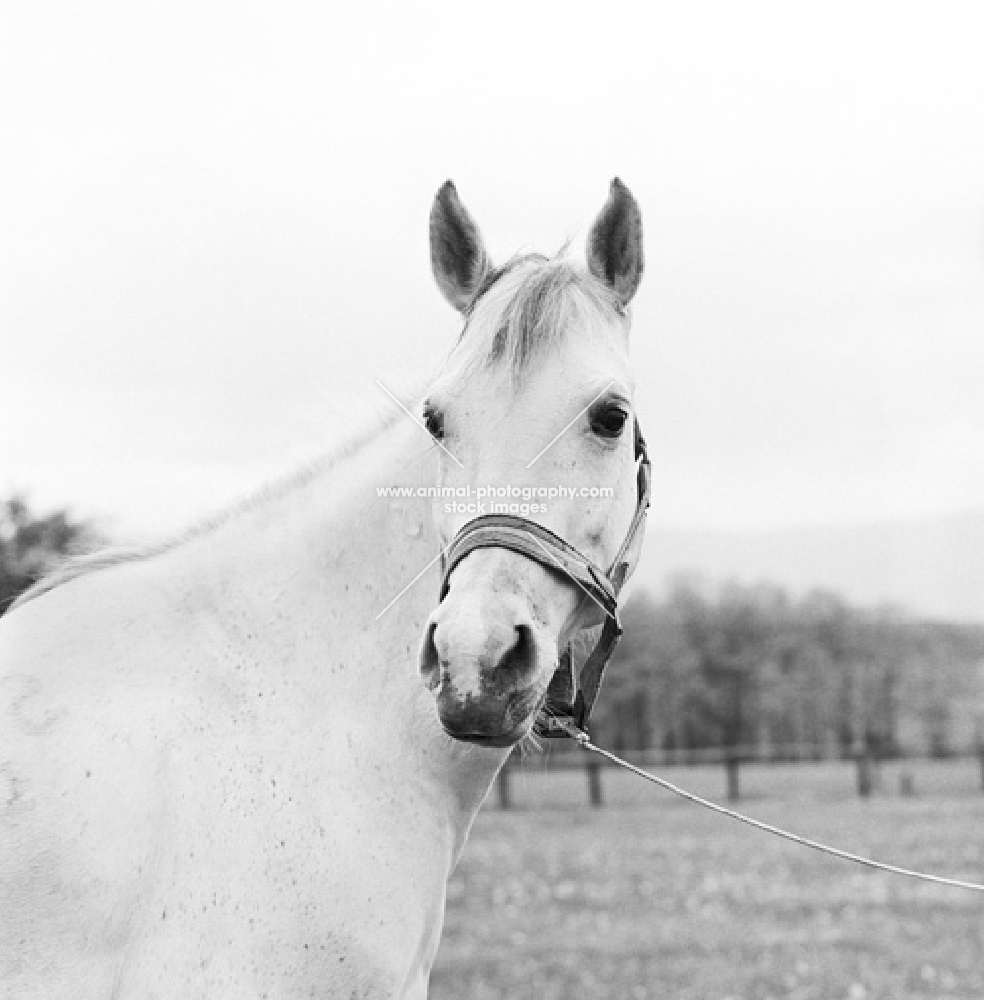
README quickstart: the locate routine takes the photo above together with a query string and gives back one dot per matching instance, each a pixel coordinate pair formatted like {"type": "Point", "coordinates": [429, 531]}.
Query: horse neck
{"type": "Point", "coordinates": [318, 571]}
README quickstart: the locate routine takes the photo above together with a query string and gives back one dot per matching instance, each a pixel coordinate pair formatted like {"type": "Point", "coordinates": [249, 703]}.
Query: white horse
{"type": "Point", "coordinates": [227, 768]}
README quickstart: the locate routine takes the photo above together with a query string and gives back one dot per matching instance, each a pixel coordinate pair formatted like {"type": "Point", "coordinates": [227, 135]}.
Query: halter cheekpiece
{"type": "Point", "coordinates": [505, 531]}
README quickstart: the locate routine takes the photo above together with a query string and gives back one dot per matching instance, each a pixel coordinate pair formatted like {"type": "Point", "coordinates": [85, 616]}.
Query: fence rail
{"type": "Point", "coordinates": [560, 756]}
{"type": "Point", "coordinates": [867, 766]}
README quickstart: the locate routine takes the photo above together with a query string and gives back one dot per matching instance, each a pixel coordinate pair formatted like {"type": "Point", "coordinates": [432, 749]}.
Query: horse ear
{"type": "Point", "coordinates": [615, 243]}
{"type": "Point", "coordinates": [458, 256]}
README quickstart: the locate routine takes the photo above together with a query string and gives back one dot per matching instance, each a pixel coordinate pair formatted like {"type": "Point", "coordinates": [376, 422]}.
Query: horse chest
{"type": "Point", "coordinates": [295, 857]}
{"type": "Point", "coordinates": [223, 848]}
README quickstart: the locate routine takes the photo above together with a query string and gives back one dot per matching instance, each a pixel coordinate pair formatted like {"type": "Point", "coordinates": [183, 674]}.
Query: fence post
{"type": "Point", "coordinates": [907, 783]}
{"type": "Point", "coordinates": [593, 767]}
{"type": "Point", "coordinates": [979, 741]}
{"type": "Point", "coordinates": [862, 755]}
{"type": "Point", "coordinates": [731, 770]}
{"type": "Point", "coordinates": [502, 784]}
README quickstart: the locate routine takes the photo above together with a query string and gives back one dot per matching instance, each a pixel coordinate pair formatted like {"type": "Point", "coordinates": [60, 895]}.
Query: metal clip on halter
{"type": "Point", "coordinates": [563, 726]}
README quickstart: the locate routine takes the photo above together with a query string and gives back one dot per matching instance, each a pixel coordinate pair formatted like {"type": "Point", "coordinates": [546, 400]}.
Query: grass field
{"type": "Point", "coordinates": [653, 897]}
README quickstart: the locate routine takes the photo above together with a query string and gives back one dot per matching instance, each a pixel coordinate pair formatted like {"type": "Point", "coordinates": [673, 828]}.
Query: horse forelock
{"type": "Point", "coordinates": [530, 303]}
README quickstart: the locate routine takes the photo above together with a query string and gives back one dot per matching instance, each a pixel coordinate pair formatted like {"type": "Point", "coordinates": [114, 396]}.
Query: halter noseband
{"type": "Point", "coordinates": [505, 531]}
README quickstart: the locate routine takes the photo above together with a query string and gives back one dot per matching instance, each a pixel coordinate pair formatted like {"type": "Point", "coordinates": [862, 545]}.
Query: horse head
{"type": "Point", "coordinates": [533, 412]}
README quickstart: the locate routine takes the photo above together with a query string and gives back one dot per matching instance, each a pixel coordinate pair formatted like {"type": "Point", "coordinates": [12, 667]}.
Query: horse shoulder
{"type": "Point", "coordinates": [85, 718]}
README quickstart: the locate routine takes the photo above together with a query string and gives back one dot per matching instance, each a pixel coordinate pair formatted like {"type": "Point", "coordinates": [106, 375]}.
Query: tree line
{"type": "Point", "coordinates": [754, 671]}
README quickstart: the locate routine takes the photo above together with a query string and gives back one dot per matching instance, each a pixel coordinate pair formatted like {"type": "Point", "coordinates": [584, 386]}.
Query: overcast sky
{"type": "Point", "coordinates": [213, 236]}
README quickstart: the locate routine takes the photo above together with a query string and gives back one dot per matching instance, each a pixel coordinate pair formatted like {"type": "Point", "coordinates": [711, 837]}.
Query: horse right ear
{"type": "Point", "coordinates": [458, 256]}
{"type": "Point", "coordinates": [615, 243]}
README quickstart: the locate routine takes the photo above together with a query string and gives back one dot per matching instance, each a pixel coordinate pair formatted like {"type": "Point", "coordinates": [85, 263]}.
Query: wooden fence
{"type": "Point", "coordinates": [593, 767]}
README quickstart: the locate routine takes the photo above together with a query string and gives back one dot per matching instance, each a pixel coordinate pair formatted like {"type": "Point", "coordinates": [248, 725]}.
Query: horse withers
{"type": "Point", "coordinates": [244, 762]}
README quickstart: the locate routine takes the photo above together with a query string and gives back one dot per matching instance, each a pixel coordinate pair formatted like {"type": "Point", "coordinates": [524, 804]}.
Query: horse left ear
{"type": "Point", "coordinates": [458, 258]}
{"type": "Point", "coordinates": [615, 243]}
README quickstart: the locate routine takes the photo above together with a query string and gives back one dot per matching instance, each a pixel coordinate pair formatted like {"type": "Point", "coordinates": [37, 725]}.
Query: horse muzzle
{"type": "Point", "coordinates": [488, 676]}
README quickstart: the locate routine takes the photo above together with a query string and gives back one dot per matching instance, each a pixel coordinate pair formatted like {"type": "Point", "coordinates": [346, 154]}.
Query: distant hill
{"type": "Point", "coordinates": [931, 566]}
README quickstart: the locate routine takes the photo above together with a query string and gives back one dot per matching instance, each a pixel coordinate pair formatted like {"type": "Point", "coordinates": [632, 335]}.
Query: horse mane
{"type": "Point", "coordinates": [82, 564]}
{"type": "Point", "coordinates": [527, 304]}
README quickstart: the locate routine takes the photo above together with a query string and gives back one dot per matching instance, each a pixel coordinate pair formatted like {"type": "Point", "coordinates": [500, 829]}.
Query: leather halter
{"type": "Point", "coordinates": [532, 540]}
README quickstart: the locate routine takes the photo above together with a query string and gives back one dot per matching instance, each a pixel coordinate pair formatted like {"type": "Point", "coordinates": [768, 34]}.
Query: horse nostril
{"type": "Point", "coordinates": [430, 660]}
{"type": "Point", "coordinates": [519, 660]}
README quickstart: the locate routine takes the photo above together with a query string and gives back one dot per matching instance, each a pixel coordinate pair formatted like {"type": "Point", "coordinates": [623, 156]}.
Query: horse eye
{"type": "Point", "coordinates": [609, 421]}
{"type": "Point", "coordinates": [434, 422]}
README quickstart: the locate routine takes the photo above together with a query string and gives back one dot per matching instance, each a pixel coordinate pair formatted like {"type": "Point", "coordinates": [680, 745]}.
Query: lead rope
{"type": "Point", "coordinates": [583, 740]}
